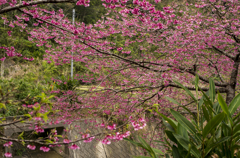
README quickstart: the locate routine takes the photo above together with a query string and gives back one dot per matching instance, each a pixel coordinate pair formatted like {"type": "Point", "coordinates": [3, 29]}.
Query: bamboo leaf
{"type": "Point", "coordinates": [157, 151]}
{"type": "Point", "coordinates": [212, 90]}
{"type": "Point", "coordinates": [142, 157]}
{"type": "Point", "coordinates": [214, 145]}
{"type": "Point", "coordinates": [184, 122]}
{"type": "Point", "coordinates": [135, 143]}
{"type": "Point", "coordinates": [182, 131]}
{"type": "Point", "coordinates": [224, 107]}
{"type": "Point", "coordinates": [185, 144]}
{"type": "Point", "coordinates": [236, 129]}
{"type": "Point", "coordinates": [147, 146]}
{"type": "Point", "coordinates": [175, 102]}
{"type": "Point", "coordinates": [171, 136]}
{"type": "Point", "coordinates": [223, 104]}
{"type": "Point", "coordinates": [170, 121]}
{"type": "Point", "coordinates": [213, 123]}
{"type": "Point", "coordinates": [205, 113]}
{"type": "Point", "coordinates": [235, 103]}
{"type": "Point", "coordinates": [3, 106]}
{"type": "Point", "coordinates": [189, 93]}
{"type": "Point", "coordinates": [175, 152]}
{"type": "Point", "coordinates": [206, 97]}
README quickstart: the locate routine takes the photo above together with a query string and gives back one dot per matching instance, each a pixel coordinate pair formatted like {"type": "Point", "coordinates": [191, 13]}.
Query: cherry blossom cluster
{"type": "Point", "coordinates": [139, 124]}
{"type": "Point", "coordinates": [118, 136]}
{"type": "Point", "coordinates": [137, 51]}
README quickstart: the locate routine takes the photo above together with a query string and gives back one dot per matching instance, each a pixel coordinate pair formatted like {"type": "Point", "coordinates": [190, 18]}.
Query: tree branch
{"type": "Point", "coordinates": [9, 8]}
{"type": "Point", "coordinates": [223, 53]}
{"type": "Point", "coordinates": [221, 90]}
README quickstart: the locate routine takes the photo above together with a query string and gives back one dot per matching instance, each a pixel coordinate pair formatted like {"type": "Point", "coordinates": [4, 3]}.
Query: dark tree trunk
{"type": "Point", "coordinates": [231, 88]}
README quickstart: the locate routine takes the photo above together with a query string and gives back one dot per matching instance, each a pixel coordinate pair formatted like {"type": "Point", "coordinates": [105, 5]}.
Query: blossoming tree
{"type": "Point", "coordinates": [138, 52]}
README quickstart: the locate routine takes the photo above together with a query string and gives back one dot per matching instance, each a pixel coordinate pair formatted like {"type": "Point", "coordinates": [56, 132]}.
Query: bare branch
{"type": "Point", "coordinates": [221, 90]}
{"type": "Point", "coordinates": [223, 53]}
{"type": "Point", "coordinates": [42, 142]}
{"type": "Point", "coordinates": [18, 6]}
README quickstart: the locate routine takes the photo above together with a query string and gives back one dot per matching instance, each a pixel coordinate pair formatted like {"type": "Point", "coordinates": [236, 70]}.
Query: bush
{"type": "Point", "coordinates": [215, 131]}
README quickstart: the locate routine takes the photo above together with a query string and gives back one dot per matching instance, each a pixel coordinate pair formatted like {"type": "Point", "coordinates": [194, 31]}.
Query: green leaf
{"type": "Point", "coordinates": [170, 121]}
{"type": "Point", "coordinates": [205, 113]}
{"type": "Point", "coordinates": [223, 104]}
{"type": "Point", "coordinates": [206, 97]}
{"type": "Point", "coordinates": [226, 129]}
{"type": "Point", "coordinates": [175, 102]}
{"type": "Point", "coordinates": [147, 146]}
{"type": "Point", "coordinates": [224, 107]}
{"type": "Point", "coordinates": [135, 143]}
{"type": "Point", "coordinates": [21, 135]}
{"type": "Point", "coordinates": [28, 115]}
{"type": "Point", "coordinates": [213, 123]}
{"type": "Point", "coordinates": [210, 109]}
{"type": "Point", "coordinates": [183, 121]}
{"type": "Point", "coordinates": [235, 103]}
{"type": "Point", "coordinates": [236, 134]}
{"type": "Point", "coordinates": [196, 82]}
{"type": "Point", "coordinates": [185, 145]}
{"type": "Point", "coordinates": [182, 131]}
{"type": "Point", "coordinates": [3, 106]}
{"type": "Point", "coordinates": [157, 151]}
{"type": "Point", "coordinates": [189, 150]}
{"type": "Point", "coordinates": [189, 93]}
{"type": "Point", "coordinates": [141, 157]}
{"type": "Point", "coordinates": [168, 126]}
{"type": "Point", "coordinates": [212, 90]}
{"type": "Point", "coordinates": [175, 152]}
{"type": "Point", "coordinates": [235, 117]}
{"type": "Point", "coordinates": [214, 145]}
{"type": "Point", "coordinates": [167, 156]}
{"type": "Point", "coordinates": [236, 129]}
{"type": "Point", "coordinates": [171, 136]}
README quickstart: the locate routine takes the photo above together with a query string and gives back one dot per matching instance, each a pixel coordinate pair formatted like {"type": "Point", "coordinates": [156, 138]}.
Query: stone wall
{"type": "Point", "coordinates": [94, 149]}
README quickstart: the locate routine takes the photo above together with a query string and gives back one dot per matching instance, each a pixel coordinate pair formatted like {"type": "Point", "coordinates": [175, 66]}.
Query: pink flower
{"type": "Point", "coordinates": [38, 129]}
{"type": "Point", "coordinates": [119, 49]}
{"type": "Point", "coordinates": [11, 25]}
{"type": "Point", "coordinates": [9, 33]}
{"type": "Point", "coordinates": [102, 125]}
{"type": "Point", "coordinates": [66, 141]}
{"type": "Point", "coordinates": [105, 141]}
{"type": "Point", "coordinates": [85, 135]}
{"type": "Point", "coordinates": [89, 139]}
{"type": "Point", "coordinates": [2, 59]}
{"type": "Point", "coordinates": [112, 127]}
{"type": "Point", "coordinates": [37, 118]}
{"type": "Point", "coordinates": [135, 11]}
{"type": "Point", "coordinates": [8, 154]}
{"type": "Point", "coordinates": [44, 149]}
{"type": "Point", "coordinates": [7, 144]}
{"type": "Point", "coordinates": [32, 147]}
{"type": "Point", "coordinates": [74, 147]}
{"type": "Point", "coordinates": [25, 3]}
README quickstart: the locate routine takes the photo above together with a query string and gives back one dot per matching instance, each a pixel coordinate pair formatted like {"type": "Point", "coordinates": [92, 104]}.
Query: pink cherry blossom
{"type": "Point", "coordinates": [44, 149]}
{"type": "Point", "coordinates": [66, 141]}
{"type": "Point", "coordinates": [8, 144]}
{"type": "Point", "coordinates": [74, 147]}
{"type": "Point", "coordinates": [8, 154]}
{"type": "Point", "coordinates": [32, 147]}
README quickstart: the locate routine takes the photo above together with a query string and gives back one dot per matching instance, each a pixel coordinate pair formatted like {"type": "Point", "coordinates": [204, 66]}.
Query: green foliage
{"type": "Point", "coordinates": [16, 92]}
{"type": "Point", "coordinates": [143, 144]}
{"type": "Point", "coordinates": [215, 131]}
{"type": "Point", "coordinates": [67, 84]}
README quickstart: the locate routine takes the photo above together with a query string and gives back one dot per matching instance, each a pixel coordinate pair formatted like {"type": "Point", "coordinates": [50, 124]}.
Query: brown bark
{"type": "Point", "coordinates": [231, 88]}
